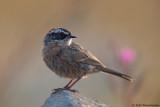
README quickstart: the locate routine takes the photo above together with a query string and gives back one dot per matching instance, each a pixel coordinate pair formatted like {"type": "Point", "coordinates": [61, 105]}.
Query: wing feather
{"type": "Point", "coordinates": [81, 55]}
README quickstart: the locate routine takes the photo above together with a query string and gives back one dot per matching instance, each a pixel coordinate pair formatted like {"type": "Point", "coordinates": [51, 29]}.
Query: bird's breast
{"type": "Point", "coordinates": [61, 63]}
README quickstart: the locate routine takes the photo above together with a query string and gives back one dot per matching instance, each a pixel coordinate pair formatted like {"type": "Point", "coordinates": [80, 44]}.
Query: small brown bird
{"type": "Point", "coordinates": [69, 59]}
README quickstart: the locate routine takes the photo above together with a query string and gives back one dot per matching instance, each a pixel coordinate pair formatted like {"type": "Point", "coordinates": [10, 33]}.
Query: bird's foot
{"type": "Point", "coordinates": [74, 91]}
{"type": "Point", "coordinates": [71, 90]}
{"type": "Point", "coordinates": [56, 90]}
{"type": "Point", "coordinates": [64, 88]}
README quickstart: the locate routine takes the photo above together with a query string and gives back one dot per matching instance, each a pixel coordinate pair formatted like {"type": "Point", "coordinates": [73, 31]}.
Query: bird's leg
{"type": "Point", "coordinates": [68, 83]}
{"type": "Point", "coordinates": [79, 78]}
{"type": "Point", "coordinates": [66, 87]}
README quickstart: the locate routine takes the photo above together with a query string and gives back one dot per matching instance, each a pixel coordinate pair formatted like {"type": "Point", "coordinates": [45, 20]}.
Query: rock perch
{"type": "Point", "coordinates": [65, 98]}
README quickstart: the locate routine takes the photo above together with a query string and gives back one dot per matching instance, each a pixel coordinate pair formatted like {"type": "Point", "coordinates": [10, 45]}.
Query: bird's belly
{"type": "Point", "coordinates": [64, 68]}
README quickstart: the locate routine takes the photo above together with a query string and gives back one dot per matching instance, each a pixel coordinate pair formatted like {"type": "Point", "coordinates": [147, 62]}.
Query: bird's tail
{"type": "Point", "coordinates": [110, 71]}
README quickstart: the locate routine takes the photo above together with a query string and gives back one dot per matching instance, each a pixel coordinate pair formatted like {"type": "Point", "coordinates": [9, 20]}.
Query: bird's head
{"type": "Point", "coordinates": [59, 36]}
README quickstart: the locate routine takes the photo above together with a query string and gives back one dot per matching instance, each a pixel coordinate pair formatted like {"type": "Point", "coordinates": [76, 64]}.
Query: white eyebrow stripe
{"type": "Point", "coordinates": [58, 31]}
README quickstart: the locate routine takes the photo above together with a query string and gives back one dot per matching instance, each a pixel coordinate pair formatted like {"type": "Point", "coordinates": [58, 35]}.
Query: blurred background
{"type": "Point", "coordinates": [123, 34]}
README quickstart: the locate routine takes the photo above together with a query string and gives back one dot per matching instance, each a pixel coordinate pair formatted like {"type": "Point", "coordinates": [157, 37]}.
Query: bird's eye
{"type": "Point", "coordinates": [63, 35]}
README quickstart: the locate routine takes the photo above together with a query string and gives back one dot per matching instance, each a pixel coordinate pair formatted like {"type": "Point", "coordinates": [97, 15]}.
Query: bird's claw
{"type": "Point", "coordinates": [57, 89]}
{"type": "Point", "coordinates": [65, 88]}
{"type": "Point", "coordinates": [71, 90]}
{"type": "Point", "coordinates": [74, 91]}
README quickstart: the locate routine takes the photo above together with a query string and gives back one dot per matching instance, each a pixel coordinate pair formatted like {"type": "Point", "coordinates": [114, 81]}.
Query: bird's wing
{"type": "Point", "coordinates": [81, 55]}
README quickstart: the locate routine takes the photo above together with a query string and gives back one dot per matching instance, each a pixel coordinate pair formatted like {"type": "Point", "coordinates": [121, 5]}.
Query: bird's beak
{"type": "Point", "coordinates": [71, 36]}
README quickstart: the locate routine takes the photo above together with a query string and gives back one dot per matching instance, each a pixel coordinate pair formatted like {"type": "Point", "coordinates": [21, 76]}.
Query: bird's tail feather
{"type": "Point", "coordinates": [110, 71]}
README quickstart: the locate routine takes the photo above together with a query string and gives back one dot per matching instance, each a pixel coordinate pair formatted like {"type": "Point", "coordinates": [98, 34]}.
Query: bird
{"type": "Point", "coordinates": [71, 60]}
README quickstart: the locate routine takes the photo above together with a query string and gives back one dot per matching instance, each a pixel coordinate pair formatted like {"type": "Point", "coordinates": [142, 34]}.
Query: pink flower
{"type": "Point", "coordinates": [126, 55]}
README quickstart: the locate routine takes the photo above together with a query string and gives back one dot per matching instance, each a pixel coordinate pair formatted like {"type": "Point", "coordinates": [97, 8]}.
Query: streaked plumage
{"type": "Point", "coordinates": [70, 60]}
